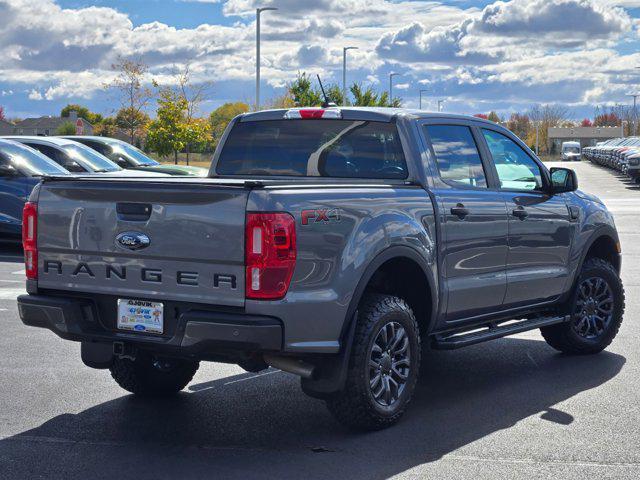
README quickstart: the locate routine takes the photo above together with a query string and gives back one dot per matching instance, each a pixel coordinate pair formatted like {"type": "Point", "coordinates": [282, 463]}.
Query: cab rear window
{"type": "Point", "coordinates": [314, 148]}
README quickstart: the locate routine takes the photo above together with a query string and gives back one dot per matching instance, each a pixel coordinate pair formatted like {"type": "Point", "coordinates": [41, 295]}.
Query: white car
{"type": "Point", "coordinates": [78, 158]}
{"type": "Point", "coordinates": [571, 151]}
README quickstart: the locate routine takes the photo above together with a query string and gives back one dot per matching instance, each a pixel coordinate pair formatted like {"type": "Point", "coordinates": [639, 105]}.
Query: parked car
{"type": "Point", "coordinates": [571, 151]}
{"type": "Point", "coordinates": [77, 158]}
{"type": "Point", "coordinates": [129, 157]}
{"type": "Point", "coordinates": [21, 169]}
{"type": "Point", "coordinates": [329, 243]}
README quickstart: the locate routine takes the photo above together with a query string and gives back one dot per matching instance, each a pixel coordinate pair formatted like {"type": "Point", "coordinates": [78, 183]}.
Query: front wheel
{"type": "Point", "coordinates": [383, 367]}
{"type": "Point", "coordinates": [597, 307]}
{"type": "Point", "coordinates": [151, 375]}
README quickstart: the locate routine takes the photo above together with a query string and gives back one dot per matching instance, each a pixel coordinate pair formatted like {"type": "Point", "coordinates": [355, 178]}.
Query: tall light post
{"type": "Point", "coordinates": [440, 104]}
{"type": "Point", "coordinates": [391, 75]}
{"type": "Point", "coordinates": [258, 12]}
{"type": "Point", "coordinates": [421, 92]}
{"type": "Point", "coordinates": [634, 114]}
{"type": "Point", "coordinates": [344, 73]}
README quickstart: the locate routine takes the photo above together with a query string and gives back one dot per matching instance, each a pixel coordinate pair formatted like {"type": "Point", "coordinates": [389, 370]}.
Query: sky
{"type": "Point", "coordinates": [477, 55]}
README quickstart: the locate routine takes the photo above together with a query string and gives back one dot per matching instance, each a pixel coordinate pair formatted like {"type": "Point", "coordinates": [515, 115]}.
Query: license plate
{"type": "Point", "coordinates": [140, 316]}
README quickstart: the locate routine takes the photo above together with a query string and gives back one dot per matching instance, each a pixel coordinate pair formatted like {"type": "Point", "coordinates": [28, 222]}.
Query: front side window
{"type": "Point", "coordinates": [314, 148]}
{"type": "Point", "coordinates": [516, 169]}
{"type": "Point", "coordinates": [457, 155]}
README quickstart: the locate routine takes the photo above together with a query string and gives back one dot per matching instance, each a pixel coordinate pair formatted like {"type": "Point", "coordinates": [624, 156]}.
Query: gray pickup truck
{"type": "Point", "coordinates": [334, 244]}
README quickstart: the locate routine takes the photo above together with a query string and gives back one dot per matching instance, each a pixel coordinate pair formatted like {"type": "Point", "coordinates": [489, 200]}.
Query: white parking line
{"type": "Point", "coordinates": [12, 281]}
{"type": "Point", "coordinates": [19, 272]}
{"type": "Point", "coordinates": [248, 378]}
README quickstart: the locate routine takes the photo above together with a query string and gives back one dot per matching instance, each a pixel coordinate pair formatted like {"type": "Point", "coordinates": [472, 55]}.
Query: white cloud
{"type": "Point", "coordinates": [526, 50]}
{"type": "Point", "coordinates": [35, 95]}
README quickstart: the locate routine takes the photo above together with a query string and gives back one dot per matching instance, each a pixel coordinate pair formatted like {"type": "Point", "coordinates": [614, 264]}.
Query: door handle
{"type": "Point", "coordinates": [520, 212]}
{"type": "Point", "coordinates": [460, 211]}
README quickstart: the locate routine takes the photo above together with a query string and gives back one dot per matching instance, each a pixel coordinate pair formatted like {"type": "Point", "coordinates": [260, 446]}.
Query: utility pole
{"type": "Point", "coordinates": [391, 75]}
{"type": "Point", "coordinates": [344, 73]}
{"type": "Point", "coordinates": [258, 12]}
{"type": "Point", "coordinates": [537, 136]}
{"type": "Point", "coordinates": [421, 92]}
{"type": "Point", "coordinates": [634, 114]}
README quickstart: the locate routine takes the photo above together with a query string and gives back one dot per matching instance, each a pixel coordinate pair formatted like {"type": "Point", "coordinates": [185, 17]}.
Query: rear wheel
{"type": "Point", "coordinates": [597, 307]}
{"type": "Point", "coordinates": [383, 367]}
{"type": "Point", "coordinates": [151, 375]}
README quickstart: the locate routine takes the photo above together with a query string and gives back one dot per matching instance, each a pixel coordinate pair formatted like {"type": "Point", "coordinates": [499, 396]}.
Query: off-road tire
{"type": "Point", "coordinates": [563, 337]}
{"type": "Point", "coordinates": [355, 406]}
{"type": "Point", "coordinates": [141, 377]}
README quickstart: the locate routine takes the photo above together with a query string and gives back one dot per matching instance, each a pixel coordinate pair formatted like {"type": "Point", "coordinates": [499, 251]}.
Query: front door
{"type": "Point", "coordinates": [540, 228]}
{"type": "Point", "coordinates": [474, 225]}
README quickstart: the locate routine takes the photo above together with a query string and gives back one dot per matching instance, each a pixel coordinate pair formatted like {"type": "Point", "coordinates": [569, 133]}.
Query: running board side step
{"type": "Point", "coordinates": [491, 331]}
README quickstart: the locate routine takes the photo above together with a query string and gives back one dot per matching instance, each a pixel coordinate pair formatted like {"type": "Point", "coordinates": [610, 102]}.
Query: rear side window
{"type": "Point", "coordinates": [457, 155]}
{"type": "Point", "coordinates": [314, 148]}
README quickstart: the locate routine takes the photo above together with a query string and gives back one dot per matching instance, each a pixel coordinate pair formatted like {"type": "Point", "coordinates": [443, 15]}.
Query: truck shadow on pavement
{"type": "Point", "coordinates": [11, 252]}
{"type": "Point", "coordinates": [265, 427]}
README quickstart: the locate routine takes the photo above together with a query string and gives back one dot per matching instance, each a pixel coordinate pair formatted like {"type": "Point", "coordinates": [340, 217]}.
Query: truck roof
{"type": "Point", "coordinates": [380, 114]}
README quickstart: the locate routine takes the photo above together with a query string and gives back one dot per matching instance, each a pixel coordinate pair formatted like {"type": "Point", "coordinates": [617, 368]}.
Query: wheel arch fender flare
{"type": "Point", "coordinates": [390, 253]}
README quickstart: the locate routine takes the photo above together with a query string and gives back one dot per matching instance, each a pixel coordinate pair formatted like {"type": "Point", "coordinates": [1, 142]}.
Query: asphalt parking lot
{"type": "Point", "coordinates": [513, 408]}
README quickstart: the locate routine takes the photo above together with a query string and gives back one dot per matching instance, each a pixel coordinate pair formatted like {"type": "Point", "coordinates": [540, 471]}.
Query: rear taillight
{"type": "Point", "coordinates": [270, 254]}
{"type": "Point", "coordinates": [30, 239]}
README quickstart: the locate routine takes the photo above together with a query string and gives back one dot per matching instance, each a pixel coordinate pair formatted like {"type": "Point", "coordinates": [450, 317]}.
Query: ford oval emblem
{"type": "Point", "coordinates": [133, 240]}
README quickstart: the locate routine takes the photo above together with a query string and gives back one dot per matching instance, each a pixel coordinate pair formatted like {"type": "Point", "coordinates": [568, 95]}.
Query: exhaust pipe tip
{"type": "Point", "coordinates": [290, 365]}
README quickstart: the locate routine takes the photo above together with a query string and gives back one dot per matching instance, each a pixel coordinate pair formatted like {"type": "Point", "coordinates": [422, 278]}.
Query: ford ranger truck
{"type": "Point", "coordinates": [331, 243]}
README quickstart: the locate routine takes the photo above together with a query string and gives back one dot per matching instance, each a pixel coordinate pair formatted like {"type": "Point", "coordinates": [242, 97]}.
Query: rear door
{"type": "Point", "coordinates": [474, 222]}
{"type": "Point", "coordinates": [540, 228]}
{"type": "Point", "coordinates": [152, 240]}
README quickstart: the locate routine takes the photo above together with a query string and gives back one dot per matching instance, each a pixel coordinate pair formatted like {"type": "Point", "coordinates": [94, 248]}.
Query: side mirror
{"type": "Point", "coordinates": [563, 180]}
{"type": "Point", "coordinates": [8, 171]}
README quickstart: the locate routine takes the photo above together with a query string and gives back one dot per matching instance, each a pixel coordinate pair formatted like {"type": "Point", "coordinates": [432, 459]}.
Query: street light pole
{"type": "Point", "coordinates": [391, 75]}
{"type": "Point", "coordinates": [258, 12]}
{"type": "Point", "coordinates": [344, 73]}
{"type": "Point", "coordinates": [421, 92]}
{"type": "Point", "coordinates": [634, 115]}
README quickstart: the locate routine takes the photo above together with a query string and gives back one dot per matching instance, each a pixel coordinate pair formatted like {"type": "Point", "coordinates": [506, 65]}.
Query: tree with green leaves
{"type": "Point", "coordinates": [221, 116]}
{"type": "Point", "coordinates": [304, 94]}
{"type": "Point", "coordinates": [66, 128]}
{"type": "Point", "coordinates": [165, 134]}
{"type": "Point", "coordinates": [172, 131]}
{"type": "Point", "coordinates": [83, 112]}
{"type": "Point", "coordinates": [368, 97]}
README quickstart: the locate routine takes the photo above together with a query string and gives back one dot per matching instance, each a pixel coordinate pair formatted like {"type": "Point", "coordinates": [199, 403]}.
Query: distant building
{"type": "Point", "coordinates": [587, 136]}
{"type": "Point", "coordinates": [46, 126]}
{"type": "Point", "coordinates": [6, 128]}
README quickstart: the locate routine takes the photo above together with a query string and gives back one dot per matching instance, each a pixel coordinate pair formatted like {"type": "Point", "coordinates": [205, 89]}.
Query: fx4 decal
{"type": "Point", "coordinates": [320, 215]}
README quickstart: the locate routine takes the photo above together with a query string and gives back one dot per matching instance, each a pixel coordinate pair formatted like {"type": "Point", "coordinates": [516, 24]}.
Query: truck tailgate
{"type": "Point", "coordinates": [147, 240]}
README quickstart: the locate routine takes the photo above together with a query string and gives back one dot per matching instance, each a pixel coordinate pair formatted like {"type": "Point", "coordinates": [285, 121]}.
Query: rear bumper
{"type": "Point", "coordinates": [197, 333]}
